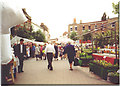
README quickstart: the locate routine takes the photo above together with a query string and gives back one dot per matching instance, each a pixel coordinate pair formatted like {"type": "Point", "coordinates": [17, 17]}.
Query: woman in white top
{"type": "Point", "coordinates": [28, 51]}
{"type": "Point", "coordinates": [37, 52]}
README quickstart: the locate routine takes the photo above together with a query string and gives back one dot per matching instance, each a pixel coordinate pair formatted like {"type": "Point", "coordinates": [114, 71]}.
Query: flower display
{"type": "Point", "coordinates": [105, 64]}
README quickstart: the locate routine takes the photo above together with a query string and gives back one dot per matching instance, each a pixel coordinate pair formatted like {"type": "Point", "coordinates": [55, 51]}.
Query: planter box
{"type": "Point", "coordinates": [80, 62]}
{"type": "Point", "coordinates": [85, 62]}
{"type": "Point", "coordinates": [114, 79]}
{"type": "Point", "coordinates": [100, 70]}
{"type": "Point", "coordinates": [91, 67]}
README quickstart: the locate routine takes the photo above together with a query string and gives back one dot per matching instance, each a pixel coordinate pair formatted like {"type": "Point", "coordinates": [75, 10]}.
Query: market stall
{"type": "Point", "coordinates": [107, 57]}
{"type": "Point", "coordinates": [11, 15]}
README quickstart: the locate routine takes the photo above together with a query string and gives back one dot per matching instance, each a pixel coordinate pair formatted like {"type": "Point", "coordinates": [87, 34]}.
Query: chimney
{"type": "Point", "coordinates": [74, 20]}
{"type": "Point", "coordinates": [80, 21]}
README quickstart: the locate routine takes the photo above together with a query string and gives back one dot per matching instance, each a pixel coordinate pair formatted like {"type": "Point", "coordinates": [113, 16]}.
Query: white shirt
{"type": "Point", "coordinates": [37, 50]}
{"type": "Point", "coordinates": [21, 48]}
{"type": "Point", "coordinates": [49, 49]}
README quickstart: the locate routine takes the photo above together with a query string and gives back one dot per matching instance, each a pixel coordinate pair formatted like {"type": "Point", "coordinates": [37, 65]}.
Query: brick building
{"type": "Point", "coordinates": [89, 26]}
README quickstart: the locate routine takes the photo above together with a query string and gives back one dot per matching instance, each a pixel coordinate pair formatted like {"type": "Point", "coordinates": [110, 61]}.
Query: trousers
{"type": "Point", "coordinates": [21, 58]}
{"type": "Point", "coordinates": [49, 58]}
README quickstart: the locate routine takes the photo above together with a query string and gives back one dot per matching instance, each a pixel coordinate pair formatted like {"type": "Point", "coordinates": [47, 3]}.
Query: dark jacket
{"type": "Point", "coordinates": [56, 51]}
{"type": "Point", "coordinates": [70, 50]}
{"type": "Point", "coordinates": [17, 51]}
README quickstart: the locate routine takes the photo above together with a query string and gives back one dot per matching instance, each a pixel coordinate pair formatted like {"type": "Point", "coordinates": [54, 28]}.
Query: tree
{"type": "Point", "coordinates": [104, 17]}
{"type": "Point", "coordinates": [73, 36]}
{"type": "Point", "coordinates": [115, 8]}
{"type": "Point", "coordinates": [107, 38]}
{"type": "Point", "coordinates": [39, 36]}
{"type": "Point", "coordinates": [29, 34]}
{"type": "Point", "coordinates": [87, 36]}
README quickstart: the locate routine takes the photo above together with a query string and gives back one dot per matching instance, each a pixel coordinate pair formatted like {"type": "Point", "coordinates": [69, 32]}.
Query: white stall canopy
{"type": "Point", "coordinates": [11, 15]}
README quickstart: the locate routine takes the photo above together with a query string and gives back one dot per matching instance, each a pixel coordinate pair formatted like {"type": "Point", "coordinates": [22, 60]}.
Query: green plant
{"type": "Point", "coordinates": [89, 57]}
{"type": "Point", "coordinates": [114, 77]}
{"type": "Point", "coordinates": [73, 36]}
{"type": "Point", "coordinates": [113, 74]}
{"type": "Point", "coordinates": [82, 57]}
{"type": "Point", "coordinates": [105, 64]}
{"type": "Point", "coordinates": [82, 54]}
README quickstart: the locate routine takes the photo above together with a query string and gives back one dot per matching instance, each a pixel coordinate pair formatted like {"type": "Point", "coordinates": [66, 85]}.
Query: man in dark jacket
{"type": "Point", "coordinates": [20, 53]}
{"type": "Point", "coordinates": [56, 51]}
{"type": "Point", "coordinates": [70, 50]}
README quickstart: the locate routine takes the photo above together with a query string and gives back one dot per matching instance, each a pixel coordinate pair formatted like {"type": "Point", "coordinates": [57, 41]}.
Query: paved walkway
{"type": "Point", "coordinates": [36, 72]}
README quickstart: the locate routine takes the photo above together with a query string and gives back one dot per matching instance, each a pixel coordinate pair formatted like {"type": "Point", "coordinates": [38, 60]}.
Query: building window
{"type": "Point", "coordinates": [83, 27]}
{"type": "Point", "coordinates": [113, 25]}
{"type": "Point", "coordinates": [89, 27]}
{"type": "Point", "coordinates": [95, 26]}
{"type": "Point", "coordinates": [70, 29]}
{"type": "Point", "coordinates": [75, 28]}
{"type": "Point", "coordinates": [102, 26]}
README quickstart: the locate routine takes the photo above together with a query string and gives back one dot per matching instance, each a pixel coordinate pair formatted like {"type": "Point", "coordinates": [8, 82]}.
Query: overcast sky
{"type": "Point", "coordinates": [58, 14]}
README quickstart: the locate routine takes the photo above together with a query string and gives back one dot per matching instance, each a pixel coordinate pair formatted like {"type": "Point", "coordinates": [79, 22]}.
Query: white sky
{"type": "Point", "coordinates": [58, 14]}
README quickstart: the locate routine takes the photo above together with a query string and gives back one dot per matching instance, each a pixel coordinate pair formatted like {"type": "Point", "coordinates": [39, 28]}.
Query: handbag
{"type": "Point", "coordinates": [76, 62]}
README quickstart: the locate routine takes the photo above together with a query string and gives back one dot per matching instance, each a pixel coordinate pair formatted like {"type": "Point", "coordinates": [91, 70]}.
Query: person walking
{"type": "Point", "coordinates": [70, 50]}
{"type": "Point", "coordinates": [37, 52]}
{"type": "Point", "coordinates": [43, 51]}
{"type": "Point", "coordinates": [50, 51]}
{"type": "Point", "coordinates": [56, 51]}
{"type": "Point", "coordinates": [20, 53]}
{"type": "Point", "coordinates": [33, 50]}
{"type": "Point", "coordinates": [28, 51]}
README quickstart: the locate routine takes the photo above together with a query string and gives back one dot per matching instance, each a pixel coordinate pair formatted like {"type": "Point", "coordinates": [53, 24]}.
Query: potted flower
{"type": "Point", "coordinates": [85, 58]}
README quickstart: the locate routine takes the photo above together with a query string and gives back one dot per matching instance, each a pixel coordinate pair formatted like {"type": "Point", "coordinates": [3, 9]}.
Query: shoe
{"type": "Point", "coordinates": [22, 71]}
{"type": "Point", "coordinates": [51, 68]}
{"type": "Point", "coordinates": [18, 71]}
{"type": "Point", "coordinates": [48, 66]}
{"type": "Point", "coordinates": [36, 59]}
{"type": "Point", "coordinates": [71, 69]}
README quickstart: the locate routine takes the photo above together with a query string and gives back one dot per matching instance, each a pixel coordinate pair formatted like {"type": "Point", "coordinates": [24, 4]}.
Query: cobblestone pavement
{"type": "Point", "coordinates": [36, 72]}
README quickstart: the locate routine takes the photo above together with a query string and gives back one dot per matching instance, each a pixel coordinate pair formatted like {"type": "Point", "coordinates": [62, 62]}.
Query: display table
{"type": "Point", "coordinates": [7, 72]}
{"type": "Point", "coordinates": [109, 57]}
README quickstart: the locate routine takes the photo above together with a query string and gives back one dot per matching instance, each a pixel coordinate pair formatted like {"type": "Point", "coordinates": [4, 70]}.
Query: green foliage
{"type": "Point", "coordinates": [87, 36]}
{"type": "Point", "coordinates": [114, 74]}
{"type": "Point", "coordinates": [82, 54]}
{"type": "Point", "coordinates": [85, 56]}
{"type": "Point", "coordinates": [107, 38]}
{"type": "Point", "coordinates": [115, 8]}
{"type": "Point", "coordinates": [38, 35]}
{"type": "Point", "coordinates": [105, 63]}
{"type": "Point", "coordinates": [11, 37]}
{"type": "Point", "coordinates": [104, 17]}
{"type": "Point", "coordinates": [87, 50]}
{"type": "Point", "coordinates": [73, 36]}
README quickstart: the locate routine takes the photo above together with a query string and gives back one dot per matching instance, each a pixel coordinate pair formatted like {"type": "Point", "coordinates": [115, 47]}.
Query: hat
{"type": "Point", "coordinates": [21, 40]}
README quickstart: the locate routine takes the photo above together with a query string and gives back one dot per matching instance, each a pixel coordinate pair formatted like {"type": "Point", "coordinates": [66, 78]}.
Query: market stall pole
{"type": "Point", "coordinates": [114, 24]}
{"type": "Point", "coordinates": [92, 42]}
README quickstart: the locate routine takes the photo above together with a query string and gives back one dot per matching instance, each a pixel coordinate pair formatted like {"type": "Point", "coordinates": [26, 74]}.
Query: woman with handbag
{"type": "Point", "coordinates": [37, 52]}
